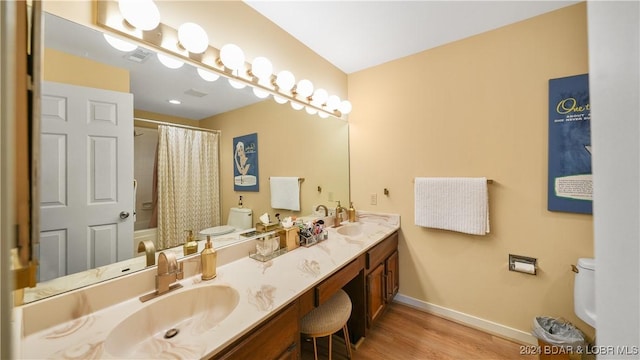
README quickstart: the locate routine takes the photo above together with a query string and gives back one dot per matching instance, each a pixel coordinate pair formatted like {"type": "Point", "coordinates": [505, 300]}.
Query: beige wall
{"type": "Point", "coordinates": [476, 107]}
{"type": "Point", "coordinates": [290, 143]}
{"type": "Point", "coordinates": [69, 69]}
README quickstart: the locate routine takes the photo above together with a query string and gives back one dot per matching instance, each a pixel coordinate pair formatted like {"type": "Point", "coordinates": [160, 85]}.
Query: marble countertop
{"type": "Point", "coordinates": [263, 287]}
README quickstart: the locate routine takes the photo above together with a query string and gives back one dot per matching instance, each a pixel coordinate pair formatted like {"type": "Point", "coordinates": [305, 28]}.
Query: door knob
{"type": "Point", "coordinates": [124, 215]}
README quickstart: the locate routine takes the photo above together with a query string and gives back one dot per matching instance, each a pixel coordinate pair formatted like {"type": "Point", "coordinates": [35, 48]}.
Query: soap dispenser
{"type": "Point", "coordinates": [352, 213]}
{"type": "Point", "coordinates": [190, 245]}
{"type": "Point", "coordinates": [208, 259]}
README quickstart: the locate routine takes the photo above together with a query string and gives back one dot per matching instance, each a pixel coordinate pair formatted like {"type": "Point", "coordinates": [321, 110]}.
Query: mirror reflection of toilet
{"type": "Point", "coordinates": [239, 219]}
{"type": "Point", "coordinates": [584, 295]}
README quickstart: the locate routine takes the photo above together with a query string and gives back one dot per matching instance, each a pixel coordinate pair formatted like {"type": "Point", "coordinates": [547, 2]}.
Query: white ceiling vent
{"type": "Point", "coordinates": [138, 55]}
{"type": "Point", "coordinates": [196, 93]}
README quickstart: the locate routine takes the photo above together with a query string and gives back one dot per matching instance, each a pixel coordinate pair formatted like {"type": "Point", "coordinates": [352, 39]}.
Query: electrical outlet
{"type": "Point", "coordinates": [330, 196]}
{"type": "Point", "coordinates": [374, 199]}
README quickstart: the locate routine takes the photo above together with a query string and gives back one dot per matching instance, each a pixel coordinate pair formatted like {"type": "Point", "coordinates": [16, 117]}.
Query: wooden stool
{"type": "Point", "coordinates": [327, 319]}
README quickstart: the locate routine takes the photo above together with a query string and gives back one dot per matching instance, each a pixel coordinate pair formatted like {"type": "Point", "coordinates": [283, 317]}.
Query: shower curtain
{"type": "Point", "coordinates": [188, 193]}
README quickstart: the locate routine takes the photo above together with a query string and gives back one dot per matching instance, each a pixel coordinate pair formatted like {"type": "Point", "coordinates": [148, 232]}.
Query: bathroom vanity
{"type": "Point", "coordinates": [264, 302]}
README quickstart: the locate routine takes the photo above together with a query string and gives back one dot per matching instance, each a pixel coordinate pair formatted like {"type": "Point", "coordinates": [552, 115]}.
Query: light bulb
{"type": "Point", "coordinates": [119, 44]}
{"type": "Point", "coordinates": [260, 93]}
{"type": "Point", "coordinates": [296, 106]}
{"type": "Point", "coordinates": [262, 68]}
{"type": "Point", "coordinates": [320, 97]}
{"type": "Point", "coordinates": [232, 56]}
{"type": "Point", "coordinates": [141, 14]}
{"type": "Point", "coordinates": [285, 80]}
{"type": "Point", "coordinates": [170, 62]}
{"type": "Point", "coordinates": [235, 83]}
{"type": "Point", "coordinates": [207, 75]}
{"type": "Point", "coordinates": [323, 114]}
{"type": "Point", "coordinates": [310, 110]}
{"type": "Point", "coordinates": [193, 38]}
{"type": "Point", "coordinates": [345, 107]}
{"type": "Point", "coordinates": [280, 99]}
{"type": "Point", "coordinates": [333, 102]}
{"type": "Point", "coordinates": [304, 88]}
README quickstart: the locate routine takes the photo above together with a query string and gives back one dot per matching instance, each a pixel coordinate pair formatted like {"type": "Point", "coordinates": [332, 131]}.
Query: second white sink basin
{"type": "Point", "coordinates": [144, 333]}
{"type": "Point", "coordinates": [351, 229]}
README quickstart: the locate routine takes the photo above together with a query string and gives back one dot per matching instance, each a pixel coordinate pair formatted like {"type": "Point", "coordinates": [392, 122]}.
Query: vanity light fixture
{"type": "Point", "coordinates": [232, 56]}
{"type": "Point", "coordinates": [235, 83]}
{"type": "Point", "coordinates": [261, 94]}
{"type": "Point", "coordinates": [319, 97]}
{"type": "Point", "coordinates": [119, 44]}
{"type": "Point", "coordinates": [170, 62]}
{"type": "Point", "coordinates": [141, 14]}
{"type": "Point", "coordinates": [285, 81]}
{"type": "Point", "coordinates": [130, 19]}
{"type": "Point", "coordinates": [207, 75]}
{"type": "Point", "coordinates": [279, 99]}
{"type": "Point", "coordinates": [261, 68]}
{"type": "Point", "coordinates": [304, 89]}
{"type": "Point", "coordinates": [333, 102]}
{"type": "Point", "coordinates": [193, 38]}
{"type": "Point", "coordinates": [345, 107]}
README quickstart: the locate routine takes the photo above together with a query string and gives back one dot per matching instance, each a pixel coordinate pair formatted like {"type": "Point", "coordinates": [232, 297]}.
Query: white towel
{"type": "Point", "coordinates": [285, 193]}
{"type": "Point", "coordinates": [457, 204]}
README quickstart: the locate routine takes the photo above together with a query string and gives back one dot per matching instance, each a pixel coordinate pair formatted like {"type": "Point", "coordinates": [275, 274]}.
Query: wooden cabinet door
{"type": "Point", "coordinates": [393, 280]}
{"type": "Point", "coordinates": [376, 295]}
{"type": "Point", "coordinates": [276, 339]}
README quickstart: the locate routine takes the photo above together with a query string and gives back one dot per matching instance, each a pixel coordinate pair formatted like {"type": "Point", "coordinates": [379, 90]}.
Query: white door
{"type": "Point", "coordinates": [86, 179]}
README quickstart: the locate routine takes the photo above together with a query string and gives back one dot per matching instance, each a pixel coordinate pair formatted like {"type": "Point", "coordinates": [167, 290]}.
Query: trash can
{"type": "Point", "coordinates": [557, 338]}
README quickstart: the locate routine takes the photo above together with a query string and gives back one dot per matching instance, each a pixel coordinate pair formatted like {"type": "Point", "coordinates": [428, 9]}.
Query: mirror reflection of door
{"type": "Point", "coordinates": [145, 144]}
{"type": "Point", "coordinates": [86, 217]}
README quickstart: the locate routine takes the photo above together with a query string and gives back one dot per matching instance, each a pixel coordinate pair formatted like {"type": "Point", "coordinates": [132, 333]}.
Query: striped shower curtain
{"type": "Point", "coordinates": [188, 180]}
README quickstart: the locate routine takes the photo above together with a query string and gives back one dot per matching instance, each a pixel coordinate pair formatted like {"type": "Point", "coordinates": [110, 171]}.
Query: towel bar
{"type": "Point", "coordinates": [489, 181]}
{"type": "Point", "coordinates": [299, 179]}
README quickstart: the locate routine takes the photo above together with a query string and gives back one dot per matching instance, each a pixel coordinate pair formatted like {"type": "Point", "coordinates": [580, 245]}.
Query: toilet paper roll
{"type": "Point", "coordinates": [524, 267]}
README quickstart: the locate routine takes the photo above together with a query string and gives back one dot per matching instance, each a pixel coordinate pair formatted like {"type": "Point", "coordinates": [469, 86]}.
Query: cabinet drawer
{"type": "Point", "coordinates": [279, 335]}
{"type": "Point", "coordinates": [381, 251]}
{"type": "Point", "coordinates": [327, 288]}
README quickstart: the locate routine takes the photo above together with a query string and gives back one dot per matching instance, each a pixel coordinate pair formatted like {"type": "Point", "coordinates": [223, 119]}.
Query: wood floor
{"type": "Point", "coordinates": [405, 333]}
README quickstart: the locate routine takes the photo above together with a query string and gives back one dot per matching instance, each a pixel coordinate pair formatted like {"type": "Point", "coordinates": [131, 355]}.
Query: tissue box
{"type": "Point", "coordinates": [289, 238]}
{"type": "Point", "coordinates": [260, 227]}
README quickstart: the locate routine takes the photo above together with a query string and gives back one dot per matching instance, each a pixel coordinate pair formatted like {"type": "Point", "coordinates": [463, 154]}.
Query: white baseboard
{"type": "Point", "coordinates": [468, 320]}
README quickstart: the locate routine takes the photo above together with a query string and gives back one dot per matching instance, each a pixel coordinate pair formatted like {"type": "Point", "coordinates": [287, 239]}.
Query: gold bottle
{"type": "Point", "coordinates": [208, 259]}
{"type": "Point", "coordinates": [190, 245]}
{"type": "Point", "coordinates": [352, 213]}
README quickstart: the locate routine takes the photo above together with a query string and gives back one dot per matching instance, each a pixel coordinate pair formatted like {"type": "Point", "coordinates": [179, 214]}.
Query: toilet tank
{"type": "Point", "coordinates": [584, 295]}
{"type": "Point", "coordinates": [240, 218]}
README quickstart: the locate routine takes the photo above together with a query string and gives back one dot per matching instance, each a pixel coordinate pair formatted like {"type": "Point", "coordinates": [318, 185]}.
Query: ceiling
{"type": "Point", "coordinates": [355, 35]}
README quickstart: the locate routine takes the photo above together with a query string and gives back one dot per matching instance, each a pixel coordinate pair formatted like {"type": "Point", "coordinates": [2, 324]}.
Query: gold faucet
{"type": "Point", "coordinates": [326, 211]}
{"type": "Point", "coordinates": [149, 250]}
{"type": "Point", "coordinates": [338, 219]}
{"type": "Point", "coordinates": [169, 271]}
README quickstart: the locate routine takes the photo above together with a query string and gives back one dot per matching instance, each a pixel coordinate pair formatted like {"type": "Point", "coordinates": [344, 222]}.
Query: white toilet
{"type": "Point", "coordinates": [239, 219]}
{"type": "Point", "coordinates": [584, 295]}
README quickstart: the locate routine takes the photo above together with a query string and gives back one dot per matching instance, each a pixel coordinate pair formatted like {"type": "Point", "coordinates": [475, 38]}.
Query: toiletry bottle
{"type": "Point", "coordinates": [352, 213]}
{"type": "Point", "coordinates": [338, 216]}
{"type": "Point", "coordinates": [190, 245]}
{"type": "Point", "coordinates": [208, 259]}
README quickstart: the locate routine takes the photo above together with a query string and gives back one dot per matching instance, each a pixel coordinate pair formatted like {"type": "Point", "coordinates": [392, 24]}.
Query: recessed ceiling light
{"type": "Point", "coordinates": [175, 102]}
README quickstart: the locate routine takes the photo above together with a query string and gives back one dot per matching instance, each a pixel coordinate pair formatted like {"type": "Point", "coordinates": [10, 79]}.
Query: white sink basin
{"type": "Point", "coordinates": [351, 229]}
{"type": "Point", "coordinates": [191, 312]}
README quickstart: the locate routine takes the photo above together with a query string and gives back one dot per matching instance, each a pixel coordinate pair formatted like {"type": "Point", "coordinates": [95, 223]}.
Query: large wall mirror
{"type": "Point", "coordinates": [291, 143]}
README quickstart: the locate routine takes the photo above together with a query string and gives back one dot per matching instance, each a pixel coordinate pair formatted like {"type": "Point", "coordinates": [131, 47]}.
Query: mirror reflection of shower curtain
{"type": "Point", "coordinates": [188, 196]}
